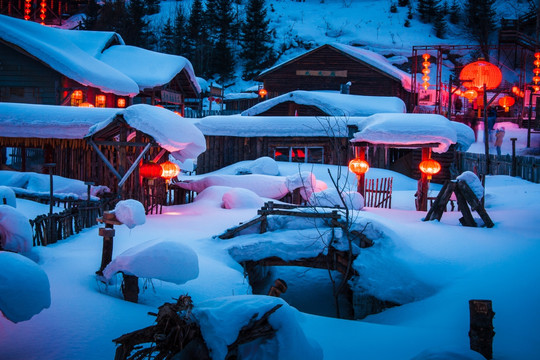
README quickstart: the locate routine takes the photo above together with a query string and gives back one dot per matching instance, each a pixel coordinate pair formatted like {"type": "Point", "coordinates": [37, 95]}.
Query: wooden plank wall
{"type": "Point", "coordinates": [226, 150]}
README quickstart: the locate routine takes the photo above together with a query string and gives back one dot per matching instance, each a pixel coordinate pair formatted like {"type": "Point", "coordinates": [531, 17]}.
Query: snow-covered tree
{"type": "Point", "coordinates": [439, 24]}
{"type": "Point", "coordinates": [480, 21]}
{"type": "Point", "coordinates": [136, 27]}
{"type": "Point", "coordinates": [152, 6]}
{"type": "Point", "coordinates": [455, 12]}
{"type": "Point", "coordinates": [180, 33]}
{"type": "Point", "coordinates": [197, 38]}
{"type": "Point", "coordinates": [222, 56]}
{"type": "Point", "coordinates": [167, 38]}
{"type": "Point", "coordinates": [257, 47]}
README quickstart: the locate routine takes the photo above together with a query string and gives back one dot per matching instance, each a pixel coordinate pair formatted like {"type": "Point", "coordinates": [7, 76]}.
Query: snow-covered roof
{"type": "Point", "coordinates": [241, 96]}
{"type": "Point", "coordinates": [52, 47]}
{"type": "Point", "coordinates": [170, 131]}
{"type": "Point", "coordinates": [50, 121]}
{"type": "Point", "coordinates": [334, 103]}
{"type": "Point", "coordinates": [279, 126]}
{"type": "Point", "coordinates": [88, 58]}
{"type": "Point", "coordinates": [414, 129]}
{"type": "Point", "coordinates": [369, 57]}
{"type": "Point", "coordinates": [147, 68]}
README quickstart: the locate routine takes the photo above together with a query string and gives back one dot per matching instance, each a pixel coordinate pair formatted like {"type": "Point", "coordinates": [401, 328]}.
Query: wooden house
{"type": "Point", "coordinates": [104, 146]}
{"type": "Point", "coordinates": [338, 67]}
{"type": "Point", "coordinates": [45, 65]}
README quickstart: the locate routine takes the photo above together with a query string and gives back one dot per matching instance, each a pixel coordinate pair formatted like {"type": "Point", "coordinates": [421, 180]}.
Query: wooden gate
{"type": "Point", "coordinates": [378, 193]}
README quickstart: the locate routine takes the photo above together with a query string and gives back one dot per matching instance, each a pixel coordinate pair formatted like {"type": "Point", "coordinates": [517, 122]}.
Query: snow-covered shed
{"type": "Point", "coordinates": [94, 144]}
{"type": "Point", "coordinates": [325, 103]}
{"type": "Point", "coordinates": [46, 65]}
{"type": "Point", "coordinates": [331, 67]}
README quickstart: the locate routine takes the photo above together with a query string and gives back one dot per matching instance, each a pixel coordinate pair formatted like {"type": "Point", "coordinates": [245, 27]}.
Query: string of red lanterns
{"type": "Point", "coordinates": [426, 64]}
{"type": "Point", "coordinates": [27, 9]}
{"type": "Point", "coordinates": [43, 10]}
{"type": "Point", "coordinates": [536, 71]}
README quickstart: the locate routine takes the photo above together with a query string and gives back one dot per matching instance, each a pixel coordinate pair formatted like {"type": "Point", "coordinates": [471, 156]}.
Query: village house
{"type": "Point", "coordinates": [46, 65]}
{"type": "Point", "coordinates": [338, 67]}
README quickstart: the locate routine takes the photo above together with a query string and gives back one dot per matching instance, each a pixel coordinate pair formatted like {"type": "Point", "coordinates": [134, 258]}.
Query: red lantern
{"type": "Point", "coordinates": [358, 166]}
{"type": "Point", "coordinates": [470, 94]}
{"type": "Point", "coordinates": [150, 170]}
{"type": "Point", "coordinates": [169, 170]}
{"type": "Point", "coordinates": [479, 73]}
{"type": "Point", "coordinates": [430, 167]}
{"type": "Point", "coordinates": [506, 102]}
{"type": "Point", "coordinates": [263, 93]}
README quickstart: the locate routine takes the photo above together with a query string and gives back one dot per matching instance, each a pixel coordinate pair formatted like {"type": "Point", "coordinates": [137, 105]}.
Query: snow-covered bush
{"type": "Point", "coordinates": [474, 183]}
{"type": "Point", "coordinates": [164, 260]}
{"type": "Point", "coordinates": [130, 212]}
{"type": "Point", "coordinates": [221, 319]}
{"type": "Point", "coordinates": [330, 197]}
{"type": "Point", "coordinates": [15, 230]}
{"type": "Point", "coordinates": [263, 165]}
{"type": "Point", "coordinates": [24, 287]}
{"type": "Point", "coordinates": [238, 198]}
{"type": "Point", "coordinates": [7, 196]}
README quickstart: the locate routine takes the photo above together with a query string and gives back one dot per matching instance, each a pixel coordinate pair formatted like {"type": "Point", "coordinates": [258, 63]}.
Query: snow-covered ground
{"type": "Point", "coordinates": [435, 268]}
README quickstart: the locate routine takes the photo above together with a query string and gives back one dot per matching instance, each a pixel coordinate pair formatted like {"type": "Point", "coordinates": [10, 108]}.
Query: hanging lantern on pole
{"type": "Point", "coordinates": [430, 167]}
{"type": "Point", "coordinates": [169, 170]}
{"type": "Point", "coordinates": [426, 64]}
{"type": "Point", "coordinates": [506, 102]}
{"type": "Point", "coordinates": [358, 166]}
{"type": "Point", "coordinates": [536, 71]}
{"type": "Point", "coordinates": [150, 170]}
{"type": "Point", "coordinates": [479, 73]}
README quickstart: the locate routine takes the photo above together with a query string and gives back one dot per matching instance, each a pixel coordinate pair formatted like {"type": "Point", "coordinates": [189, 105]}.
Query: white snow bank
{"type": "Point", "coordinates": [238, 198]}
{"type": "Point", "coordinates": [264, 165]}
{"type": "Point", "coordinates": [15, 230]}
{"type": "Point", "coordinates": [474, 183]}
{"type": "Point", "coordinates": [330, 197]}
{"type": "Point", "coordinates": [130, 212]}
{"type": "Point", "coordinates": [7, 196]}
{"type": "Point", "coordinates": [410, 129]}
{"type": "Point", "coordinates": [24, 287]}
{"type": "Point", "coordinates": [334, 103]}
{"type": "Point", "coordinates": [164, 260]}
{"type": "Point", "coordinates": [221, 319]}
{"type": "Point", "coordinates": [31, 183]}
{"type": "Point", "coordinates": [448, 354]}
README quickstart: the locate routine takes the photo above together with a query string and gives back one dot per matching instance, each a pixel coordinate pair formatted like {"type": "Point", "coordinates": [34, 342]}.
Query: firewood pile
{"type": "Point", "coordinates": [177, 335]}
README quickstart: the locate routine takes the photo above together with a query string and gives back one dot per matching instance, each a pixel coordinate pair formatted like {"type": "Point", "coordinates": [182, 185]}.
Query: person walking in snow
{"type": "Point", "coordinates": [499, 135]}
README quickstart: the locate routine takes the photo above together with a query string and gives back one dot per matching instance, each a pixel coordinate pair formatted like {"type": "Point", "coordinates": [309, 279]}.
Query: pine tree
{"type": "Point", "coordinates": [439, 24]}
{"type": "Point", "coordinates": [256, 40]}
{"type": "Point", "coordinates": [136, 29]}
{"type": "Point", "coordinates": [480, 20]}
{"type": "Point", "coordinates": [152, 6]}
{"type": "Point", "coordinates": [180, 33]}
{"type": "Point", "coordinates": [422, 10]}
{"type": "Point", "coordinates": [196, 38]}
{"type": "Point", "coordinates": [454, 12]}
{"type": "Point", "coordinates": [403, 3]}
{"type": "Point", "coordinates": [112, 17]}
{"type": "Point", "coordinates": [167, 38]}
{"type": "Point", "coordinates": [432, 9]}
{"type": "Point", "coordinates": [90, 21]}
{"type": "Point", "coordinates": [222, 59]}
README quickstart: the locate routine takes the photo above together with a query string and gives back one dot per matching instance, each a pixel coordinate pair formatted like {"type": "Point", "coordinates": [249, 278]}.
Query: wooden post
{"type": "Point", "coordinates": [514, 163]}
{"type": "Point", "coordinates": [130, 288]}
{"type": "Point", "coordinates": [481, 328]}
{"type": "Point", "coordinates": [361, 178]}
{"type": "Point", "coordinates": [423, 185]}
{"type": "Point", "coordinates": [109, 219]}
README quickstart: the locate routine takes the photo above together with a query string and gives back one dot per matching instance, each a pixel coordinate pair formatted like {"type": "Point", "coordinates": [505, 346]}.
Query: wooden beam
{"type": "Point", "coordinates": [134, 165]}
{"type": "Point", "coordinates": [104, 158]}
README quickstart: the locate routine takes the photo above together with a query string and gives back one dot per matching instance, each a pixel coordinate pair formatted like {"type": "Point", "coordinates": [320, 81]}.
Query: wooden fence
{"type": "Point", "coordinates": [78, 215]}
{"type": "Point", "coordinates": [526, 167]}
{"type": "Point", "coordinates": [378, 193]}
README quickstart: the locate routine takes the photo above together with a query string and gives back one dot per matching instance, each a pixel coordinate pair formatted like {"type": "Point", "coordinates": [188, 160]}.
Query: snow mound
{"type": "Point", "coordinates": [130, 212]}
{"type": "Point", "coordinates": [165, 260]}
{"type": "Point", "coordinates": [7, 196]}
{"type": "Point", "coordinates": [15, 230]}
{"type": "Point", "coordinates": [330, 197]}
{"type": "Point", "coordinates": [238, 198]}
{"type": "Point", "coordinates": [24, 287]}
{"type": "Point", "coordinates": [448, 354]}
{"type": "Point", "coordinates": [221, 319]}
{"type": "Point", "coordinates": [263, 165]}
{"type": "Point", "coordinates": [474, 183]}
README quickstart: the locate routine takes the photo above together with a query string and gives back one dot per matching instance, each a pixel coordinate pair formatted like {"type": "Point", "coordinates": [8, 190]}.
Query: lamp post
{"type": "Point", "coordinates": [359, 166]}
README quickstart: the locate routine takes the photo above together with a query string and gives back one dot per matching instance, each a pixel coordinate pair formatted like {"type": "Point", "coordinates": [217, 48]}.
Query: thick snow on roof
{"type": "Point", "coordinates": [377, 61]}
{"type": "Point", "coordinates": [334, 103]}
{"type": "Point", "coordinates": [172, 132]}
{"type": "Point", "coordinates": [92, 42]}
{"type": "Point", "coordinates": [409, 129]}
{"type": "Point", "coordinates": [241, 96]}
{"type": "Point", "coordinates": [280, 126]}
{"type": "Point", "coordinates": [50, 121]}
{"type": "Point", "coordinates": [148, 68]}
{"type": "Point", "coordinates": [54, 48]}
